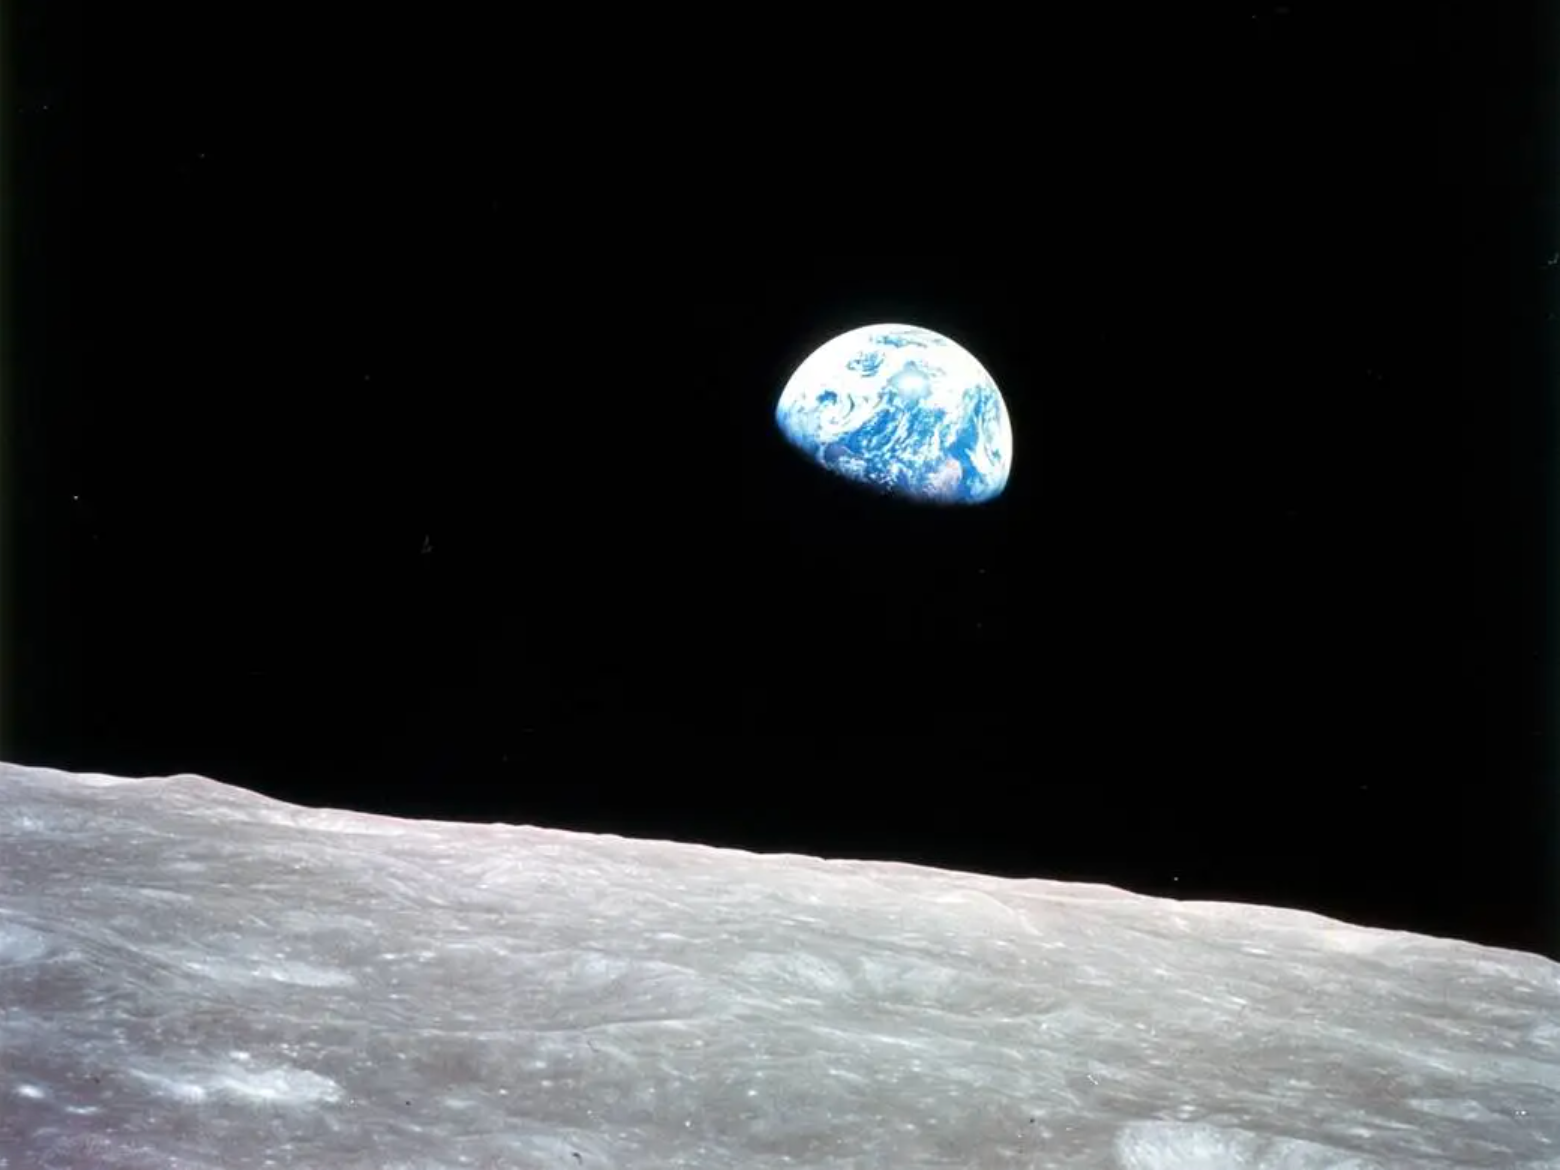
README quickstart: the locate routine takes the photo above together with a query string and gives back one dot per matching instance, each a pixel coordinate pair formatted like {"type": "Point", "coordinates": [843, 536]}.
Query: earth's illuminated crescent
{"type": "Point", "coordinates": [904, 410]}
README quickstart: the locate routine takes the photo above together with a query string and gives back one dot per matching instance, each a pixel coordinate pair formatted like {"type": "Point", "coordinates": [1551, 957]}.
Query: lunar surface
{"type": "Point", "coordinates": [196, 977]}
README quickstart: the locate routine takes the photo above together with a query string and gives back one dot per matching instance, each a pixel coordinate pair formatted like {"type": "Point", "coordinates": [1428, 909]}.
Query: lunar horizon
{"type": "Point", "coordinates": [203, 977]}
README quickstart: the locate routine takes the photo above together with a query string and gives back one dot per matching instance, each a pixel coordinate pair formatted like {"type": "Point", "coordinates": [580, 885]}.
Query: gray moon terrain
{"type": "Point", "coordinates": [197, 977]}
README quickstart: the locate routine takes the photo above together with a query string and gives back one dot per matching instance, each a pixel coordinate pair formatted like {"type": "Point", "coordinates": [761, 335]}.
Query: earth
{"type": "Point", "coordinates": [903, 410]}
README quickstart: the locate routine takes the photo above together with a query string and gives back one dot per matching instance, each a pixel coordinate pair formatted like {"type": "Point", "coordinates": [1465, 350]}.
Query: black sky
{"type": "Point", "coordinates": [389, 424]}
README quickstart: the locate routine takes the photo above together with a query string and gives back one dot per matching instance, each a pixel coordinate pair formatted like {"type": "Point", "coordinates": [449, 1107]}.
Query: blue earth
{"type": "Point", "coordinates": [903, 410]}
